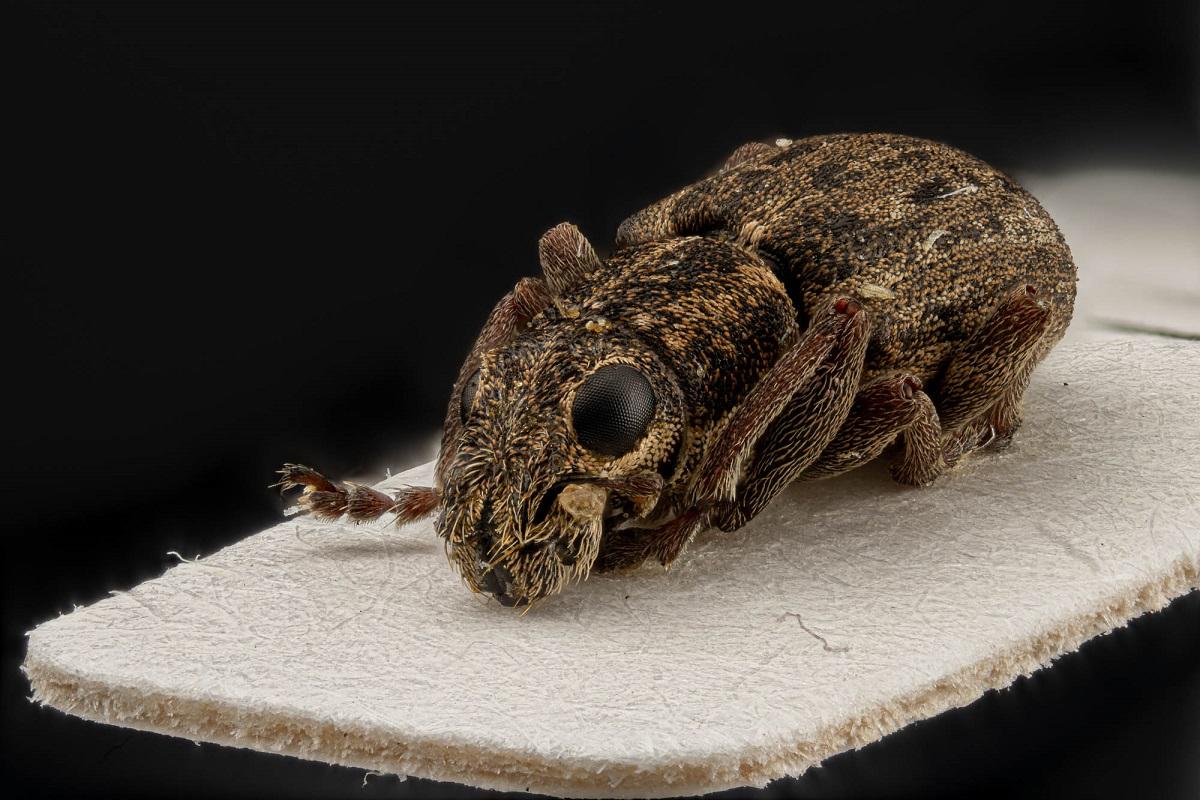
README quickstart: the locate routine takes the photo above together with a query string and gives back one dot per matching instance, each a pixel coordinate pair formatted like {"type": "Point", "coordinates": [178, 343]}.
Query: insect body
{"type": "Point", "coordinates": [789, 318]}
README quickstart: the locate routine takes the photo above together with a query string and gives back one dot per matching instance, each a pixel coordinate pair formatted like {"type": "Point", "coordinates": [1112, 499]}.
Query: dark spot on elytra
{"type": "Point", "coordinates": [843, 221]}
{"type": "Point", "coordinates": [915, 157]}
{"type": "Point", "coordinates": [830, 175]}
{"type": "Point", "coordinates": [929, 191]}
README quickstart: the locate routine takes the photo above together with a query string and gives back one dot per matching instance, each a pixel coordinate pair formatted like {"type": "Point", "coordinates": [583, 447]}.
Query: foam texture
{"type": "Point", "coordinates": [1135, 237]}
{"type": "Point", "coordinates": [850, 608]}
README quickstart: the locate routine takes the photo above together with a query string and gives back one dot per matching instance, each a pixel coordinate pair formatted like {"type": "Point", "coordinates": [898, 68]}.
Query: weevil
{"type": "Point", "coordinates": [807, 307]}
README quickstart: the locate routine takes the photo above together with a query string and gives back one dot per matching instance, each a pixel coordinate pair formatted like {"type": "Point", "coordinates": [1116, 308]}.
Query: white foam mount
{"type": "Point", "coordinates": [848, 609]}
{"type": "Point", "coordinates": [1134, 235]}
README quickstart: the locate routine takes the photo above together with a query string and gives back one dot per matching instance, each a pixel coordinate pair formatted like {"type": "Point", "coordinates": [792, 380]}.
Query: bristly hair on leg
{"type": "Point", "coordinates": [722, 467]}
{"type": "Point", "coordinates": [670, 539]}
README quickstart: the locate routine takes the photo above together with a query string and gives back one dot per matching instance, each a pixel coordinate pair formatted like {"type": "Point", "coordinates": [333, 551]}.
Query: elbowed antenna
{"type": "Point", "coordinates": [329, 501]}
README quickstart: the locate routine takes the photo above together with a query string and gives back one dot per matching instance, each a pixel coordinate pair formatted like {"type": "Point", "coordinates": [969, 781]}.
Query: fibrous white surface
{"type": "Point", "coordinates": [848, 609]}
{"type": "Point", "coordinates": [1135, 237]}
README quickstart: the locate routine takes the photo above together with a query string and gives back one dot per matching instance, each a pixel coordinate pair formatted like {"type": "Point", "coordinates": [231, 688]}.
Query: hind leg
{"type": "Point", "coordinates": [980, 398]}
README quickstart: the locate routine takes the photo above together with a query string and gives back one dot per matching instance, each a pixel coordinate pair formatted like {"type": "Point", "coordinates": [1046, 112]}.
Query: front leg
{"type": "Point", "coordinates": [808, 381]}
{"type": "Point", "coordinates": [807, 426]}
{"type": "Point", "coordinates": [781, 427]}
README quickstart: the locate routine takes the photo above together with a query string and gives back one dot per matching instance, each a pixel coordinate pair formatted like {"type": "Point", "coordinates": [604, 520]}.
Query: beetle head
{"type": "Point", "coordinates": [561, 427]}
{"type": "Point", "coordinates": [561, 436]}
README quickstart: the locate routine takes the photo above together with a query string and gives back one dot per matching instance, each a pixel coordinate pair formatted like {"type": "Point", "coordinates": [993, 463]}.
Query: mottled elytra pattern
{"type": "Point", "coordinates": [929, 236]}
{"type": "Point", "coordinates": [798, 313]}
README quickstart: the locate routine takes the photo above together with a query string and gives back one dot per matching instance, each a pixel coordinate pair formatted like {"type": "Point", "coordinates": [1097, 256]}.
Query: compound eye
{"type": "Point", "coordinates": [468, 396]}
{"type": "Point", "coordinates": [612, 409]}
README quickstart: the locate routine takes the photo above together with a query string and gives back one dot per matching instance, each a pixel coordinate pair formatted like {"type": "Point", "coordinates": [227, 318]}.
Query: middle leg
{"type": "Point", "coordinates": [882, 411]}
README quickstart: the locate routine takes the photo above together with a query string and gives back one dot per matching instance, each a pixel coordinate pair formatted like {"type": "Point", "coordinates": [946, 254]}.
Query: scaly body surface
{"type": "Point", "coordinates": [791, 317]}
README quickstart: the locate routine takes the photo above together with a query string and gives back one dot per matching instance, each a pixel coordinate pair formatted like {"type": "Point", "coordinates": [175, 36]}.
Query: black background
{"type": "Point", "coordinates": [242, 234]}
